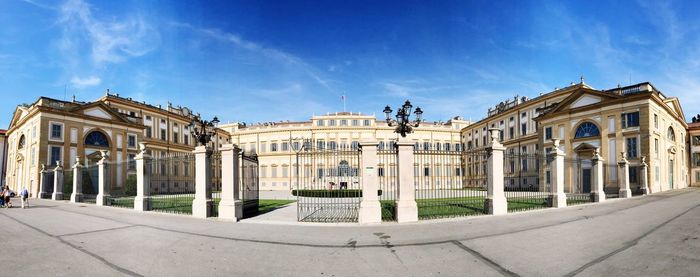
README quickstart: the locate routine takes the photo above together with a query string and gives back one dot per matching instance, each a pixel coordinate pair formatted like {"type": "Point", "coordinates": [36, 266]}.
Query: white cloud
{"type": "Point", "coordinates": [111, 41]}
{"type": "Point", "coordinates": [85, 82]}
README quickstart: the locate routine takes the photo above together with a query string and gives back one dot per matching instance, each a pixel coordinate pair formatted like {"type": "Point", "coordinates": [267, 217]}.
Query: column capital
{"type": "Point", "coordinates": [202, 150]}
{"type": "Point", "coordinates": [58, 167]}
{"type": "Point", "coordinates": [596, 156]}
{"type": "Point", "coordinates": [77, 163]}
{"type": "Point", "coordinates": [623, 159]}
{"type": "Point", "coordinates": [494, 143]}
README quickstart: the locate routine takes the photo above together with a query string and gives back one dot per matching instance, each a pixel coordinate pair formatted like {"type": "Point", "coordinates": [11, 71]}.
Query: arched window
{"type": "Point", "coordinates": [96, 138]}
{"type": "Point", "coordinates": [671, 134]}
{"type": "Point", "coordinates": [586, 130]}
{"type": "Point", "coordinates": [21, 143]}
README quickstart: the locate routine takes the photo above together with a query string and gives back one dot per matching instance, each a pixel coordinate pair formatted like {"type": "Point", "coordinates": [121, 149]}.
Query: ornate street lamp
{"type": "Point", "coordinates": [402, 122]}
{"type": "Point", "coordinates": [203, 130]}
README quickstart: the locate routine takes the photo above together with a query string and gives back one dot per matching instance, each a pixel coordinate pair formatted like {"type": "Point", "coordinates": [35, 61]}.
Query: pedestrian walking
{"type": "Point", "coordinates": [6, 196]}
{"type": "Point", "coordinates": [24, 195]}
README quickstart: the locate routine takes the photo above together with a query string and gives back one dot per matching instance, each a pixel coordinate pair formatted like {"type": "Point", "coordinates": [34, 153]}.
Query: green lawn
{"type": "Point", "coordinates": [459, 206]}
{"type": "Point", "coordinates": [183, 204]}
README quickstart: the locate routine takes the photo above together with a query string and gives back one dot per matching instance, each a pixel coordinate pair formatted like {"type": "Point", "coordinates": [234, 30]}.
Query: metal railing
{"type": "Point", "coordinates": [578, 176]}
{"type": "Point", "coordinates": [387, 174]}
{"type": "Point", "coordinates": [249, 184]}
{"type": "Point", "coordinates": [449, 183]}
{"type": "Point", "coordinates": [172, 182]}
{"type": "Point", "coordinates": [329, 188]}
{"type": "Point", "coordinates": [123, 190]}
{"type": "Point", "coordinates": [611, 173]}
{"type": "Point", "coordinates": [523, 185]}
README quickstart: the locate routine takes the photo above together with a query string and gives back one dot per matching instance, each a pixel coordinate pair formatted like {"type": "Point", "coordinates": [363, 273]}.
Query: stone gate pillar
{"type": "Point", "coordinates": [644, 181]}
{"type": "Point", "coordinates": [42, 183]}
{"type": "Point", "coordinates": [495, 202]}
{"type": "Point", "coordinates": [142, 201]}
{"type": "Point", "coordinates": [102, 181]}
{"type": "Point", "coordinates": [77, 195]}
{"type": "Point", "coordinates": [558, 195]}
{"type": "Point", "coordinates": [57, 182]}
{"type": "Point", "coordinates": [231, 206]}
{"type": "Point", "coordinates": [202, 203]}
{"type": "Point", "coordinates": [624, 178]}
{"type": "Point", "coordinates": [597, 191]}
{"type": "Point", "coordinates": [406, 206]}
{"type": "Point", "coordinates": [370, 208]}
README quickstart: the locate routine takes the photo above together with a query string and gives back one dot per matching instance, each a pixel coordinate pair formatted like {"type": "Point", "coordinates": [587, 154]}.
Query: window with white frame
{"type": "Point", "coordinates": [630, 120]}
{"type": "Point", "coordinates": [54, 154]}
{"type": "Point", "coordinates": [632, 147]}
{"type": "Point", "coordinates": [131, 141]}
{"type": "Point", "coordinates": [56, 131]}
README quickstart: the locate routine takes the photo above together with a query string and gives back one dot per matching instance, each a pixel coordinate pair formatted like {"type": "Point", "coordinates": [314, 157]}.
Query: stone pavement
{"type": "Point", "coordinates": [644, 236]}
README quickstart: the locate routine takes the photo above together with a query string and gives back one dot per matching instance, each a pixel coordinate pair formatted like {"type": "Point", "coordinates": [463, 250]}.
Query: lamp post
{"type": "Point", "coordinates": [202, 129]}
{"type": "Point", "coordinates": [402, 122]}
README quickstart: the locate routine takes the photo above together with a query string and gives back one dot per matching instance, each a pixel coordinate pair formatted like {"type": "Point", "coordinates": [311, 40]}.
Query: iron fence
{"type": "Point", "coordinates": [172, 182]}
{"type": "Point", "coordinates": [48, 184]}
{"type": "Point", "coordinates": [249, 183]}
{"type": "Point", "coordinates": [215, 182]}
{"type": "Point", "coordinates": [523, 185]}
{"type": "Point", "coordinates": [610, 175]}
{"type": "Point", "coordinates": [329, 187]}
{"type": "Point", "coordinates": [122, 184]}
{"type": "Point", "coordinates": [449, 183]}
{"type": "Point", "coordinates": [387, 175]}
{"type": "Point", "coordinates": [90, 183]}
{"type": "Point", "coordinates": [635, 177]}
{"type": "Point", "coordinates": [578, 176]}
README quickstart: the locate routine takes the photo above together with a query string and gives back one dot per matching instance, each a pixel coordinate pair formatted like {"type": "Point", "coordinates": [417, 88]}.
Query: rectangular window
{"type": "Point", "coordinates": [332, 145]}
{"type": "Point", "coordinates": [285, 146]}
{"type": "Point", "coordinates": [295, 146]}
{"type": "Point", "coordinates": [186, 169]}
{"type": "Point", "coordinates": [632, 147]}
{"type": "Point", "coordinates": [149, 132]}
{"type": "Point", "coordinates": [355, 145]}
{"type": "Point", "coordinates": [187, 140]}
{"type": "Point", "coordinates": [355, 122]}
{"type": "Point", "coordinates": [366, 122]}
{"type": "Point", "coordinates": [426, 145]}
{"type": "Point", "coordinates": [273, 172]}
{"type": "Point", "coordinates": [163, 134]}
{"type": "Point", "coordinates": [426, 171]}
{"type": "Point", "coordinates": [331, 122]}
{"type": "Point", "coordinates": [131, 141]}
{"type": "Point", "coordinates": [696, 140]}
{"type": "Point", "coordinates": [523, 129]}
{"type": "Point", "coordinates": [656, 146]}
{"type": "Point", "coordinates": [656, 121]}
{"type": "Point", "coordinates": [319, 123]}
{"type": "Point", "coordinates": [273, 147]}
{"type": "Point", "coordinates": [285, 172]}
{"type": "Point", "coordinates": [320, 144]}
{"type": "Point", "coordinates": [656, 173]}
{"type": "Point", "coordinates": [56, 131]}
{"type": "Point", "coordinates": [696, 159]}
{"type": "Point", "coordinates": [55, 155]}
{"type": "Point", "coordinates": [380, 171]}
{"type": "Point", "coordinates": [344, 122]}
{"type": "Point", "coordinates": [263, 147]}
{"type": "Point", "coordinates": [131, 163]}
{"type": "Point", "coordinates": [548, 133]}
{"type": "Point", "coordinates": [511, 133]}
{"type": "Point", "coordinates": [630, 120]}
{"type": "Point", "coordinates": [176, 137]}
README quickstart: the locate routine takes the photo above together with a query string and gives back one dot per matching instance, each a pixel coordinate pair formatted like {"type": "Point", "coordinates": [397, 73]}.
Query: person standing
{"type": "Point", "coordinates": [6, 196]}
{"type": "Point", "coordinates": [24, 195]}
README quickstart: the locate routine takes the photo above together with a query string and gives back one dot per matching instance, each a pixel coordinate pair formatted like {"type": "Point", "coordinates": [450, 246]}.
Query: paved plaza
{"type": "Point", "coordinates": [644, 236]}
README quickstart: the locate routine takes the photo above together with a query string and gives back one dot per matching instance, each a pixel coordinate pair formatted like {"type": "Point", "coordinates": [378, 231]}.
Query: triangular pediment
{"type": "Point", "coordinates": [19, 114]}
{"type": "Point", "coordinates": [583, 97]}
{"type": "Point", "coordinates": [98, 112]}
{"type": "Point", "coordinates": [675, 106]}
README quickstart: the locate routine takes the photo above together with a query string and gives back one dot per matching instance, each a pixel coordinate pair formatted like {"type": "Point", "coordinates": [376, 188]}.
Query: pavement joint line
{"type": "Point", "coordinates": [652, 200]}
{"type": "Point", "coordinates": [98, 231]}
{"type": "Point", "coordinates": [629, 244]}
{"type": "Point", "coordinates": [98, 257]}
{"type": "Point", "coordinates": [504, 271]}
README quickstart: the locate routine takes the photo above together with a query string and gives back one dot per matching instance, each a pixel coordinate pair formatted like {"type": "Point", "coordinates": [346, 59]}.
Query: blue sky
{"type": "Point", "coordinates": [256, 61]}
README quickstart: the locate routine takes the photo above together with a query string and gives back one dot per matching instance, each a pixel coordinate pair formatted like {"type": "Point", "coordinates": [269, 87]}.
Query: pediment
{"type": "Point", "coordinates": [20, 113]}
{"type": "Point", "coordinates": [98, 112]}
{"type": "Point", "coordinates": [585, 100]}
{"type": "Point", "coordinates": [581, 98]}
{"type": "Point", "coordinates": [675, 106]}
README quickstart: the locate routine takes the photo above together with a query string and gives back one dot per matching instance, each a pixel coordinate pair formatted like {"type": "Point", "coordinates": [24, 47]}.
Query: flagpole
{"type": "Point", "coordinates": [343, 97]}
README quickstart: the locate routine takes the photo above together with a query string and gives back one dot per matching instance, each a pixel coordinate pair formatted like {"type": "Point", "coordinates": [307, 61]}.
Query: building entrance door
{"type": "Point", "coordinates": [586, 178]}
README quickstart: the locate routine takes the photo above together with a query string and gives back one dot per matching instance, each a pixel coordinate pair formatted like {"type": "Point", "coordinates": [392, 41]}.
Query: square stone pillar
{"type": "Point", "coordinates": [558, 195]}
{"type": "Point", "coordinates": [370, 208]}
{"type": "Point", "coordinates": [57, 182]}
{"type": "Point", "coordinates": [102, 183]}
{"type": "Point", "coordinates": [202, 203]}
{"type": "Point", "coordinates": [644, 185]}
{"type": "Point", "coordinates": [624, 178]}
{"type": "Point", "coordinates": [231, 206]}
{"type": "Point", "coordinates": [406, 206]}
{"type": "Point", "coordinates": [495, 202]}
{"type": "Point", "coordinates": [42, 183]}
{"type": "Point", "coordinates": [597, 191]}
{"type": "Point", "coordinates": [77, 195]}
{"type": "Point", "coordinates": [142, 201]}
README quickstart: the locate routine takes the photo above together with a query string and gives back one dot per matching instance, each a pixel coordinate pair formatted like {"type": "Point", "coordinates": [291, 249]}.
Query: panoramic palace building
{"type": "Point", "coordinates": [636, 123]}
{"type": "Point", "coordinates": [50, 132]}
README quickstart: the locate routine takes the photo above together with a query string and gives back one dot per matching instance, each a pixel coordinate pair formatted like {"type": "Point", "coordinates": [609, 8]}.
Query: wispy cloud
{"type": "Point", "coordinates": [85, 82]}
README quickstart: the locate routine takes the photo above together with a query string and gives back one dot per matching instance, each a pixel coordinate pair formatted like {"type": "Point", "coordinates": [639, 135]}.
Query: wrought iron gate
{"type": "Point", "coordinates": [328, 187]}
{"type": "Point", "coordinates": [249, 184]}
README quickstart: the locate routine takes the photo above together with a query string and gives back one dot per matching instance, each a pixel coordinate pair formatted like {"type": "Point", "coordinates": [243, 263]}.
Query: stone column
{"type": "Point", "coordinates": [370, 208]}
{"type": "Point", "coordinates": [142, 201]}
{"type": "Point", "coordinates": [623, 179]}
{"type": "Point", "coordinates": [558, 195]}
{"type": "Point", "coordinates": [57, 182]}
{"type": "Point", "coordinates": [103, 183]}
{"type": "Point", "coordinates": [202, 203]}
{"type": "Point", "coordinates": [597, 191]}
{"type": "Point", "coordinates": [42, 183]}
{"type": "Point", "coordinates": [495, 202]}
{"type": "Point", "coordinates": [231, 206]}
{"type": "Point", "coordinates": [77, 195]}
{"type": "Point", "coordinates": [644, 185]}
{"type": "Point", "coordinates": [406, 206]}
